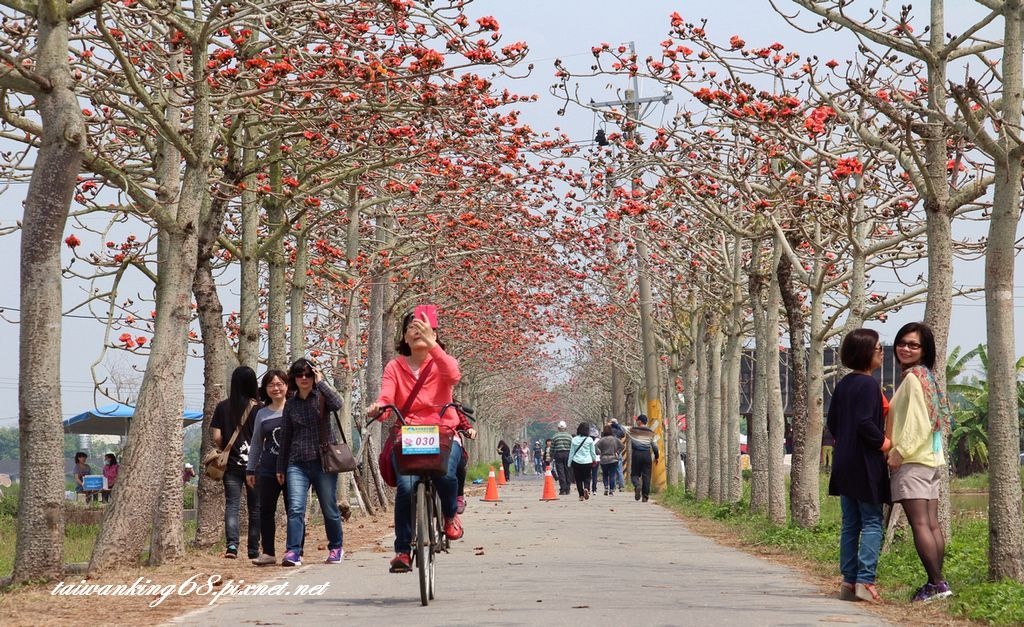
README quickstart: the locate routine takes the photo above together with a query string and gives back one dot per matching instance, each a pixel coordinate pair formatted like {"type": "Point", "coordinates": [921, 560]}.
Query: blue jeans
{"type": "Point", "coordinates": [447, 488]}
{"type": "Point", "coordinates": [620, 479]}
{"type": "Point", "coordinates": [234, 482]}
{"type": "Point", "coordinates": [860, 540]}
{"type": "Point", "coordinates": [608, 471]}
{"type": "Point", "coordinates": [298, 478]}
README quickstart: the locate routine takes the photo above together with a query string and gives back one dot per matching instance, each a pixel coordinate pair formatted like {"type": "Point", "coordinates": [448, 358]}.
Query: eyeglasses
{"type": "Point", "coordinates": [304, 375]}
{"type": "Point", "coordinates": [911, 345]}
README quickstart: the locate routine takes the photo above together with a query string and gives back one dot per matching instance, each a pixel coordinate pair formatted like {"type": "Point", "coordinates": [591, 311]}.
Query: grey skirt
{"type": "Point", "coordinates": [916, 481]}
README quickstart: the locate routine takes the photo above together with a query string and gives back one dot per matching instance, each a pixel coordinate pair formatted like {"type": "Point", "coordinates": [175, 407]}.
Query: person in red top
{"type": "Point", "coordinates": [417, 348]}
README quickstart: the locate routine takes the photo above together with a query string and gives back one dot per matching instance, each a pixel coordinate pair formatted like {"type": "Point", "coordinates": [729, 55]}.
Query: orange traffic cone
{"type": "Point", "coordinates": [549, 486]}
{"type": "Point", "coordinates": [501, 476]}
{"type": "Point", "coordinates": [492, 488]}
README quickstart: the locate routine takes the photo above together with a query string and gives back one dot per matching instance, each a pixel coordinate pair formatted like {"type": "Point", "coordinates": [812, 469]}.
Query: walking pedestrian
{"type": "Point", "coordinates": [548, 459]}
{"type": "Point", "coordinates": [561, 443]}
{"type": "Point", "coordinates": [261, 470]}
{"type": "Point", "coordinates": [641, 449]}
{"type": "Point", "coordinates": [918, 414]}
{"type": "Point", "coordinates": [595, 470]}
{"type": "Point", "coordinates": [517, 457]}
{"type": "Point", "coordinates": [583, 457]}
{"type": "Point", "coordinates": [608, 448]}
{"type": "Point", "coordinates": [620, 433]}
{"type": "Point", "coordinates": [858, 476]}
{"type": "Point", "coordinates": [298, 462]}
{"type": "Point", "coordinates": [538, 458]}
{"type": "Point", "coordinates": [233, 418]}
{"type": "Point", "coordinates": [506, 457]}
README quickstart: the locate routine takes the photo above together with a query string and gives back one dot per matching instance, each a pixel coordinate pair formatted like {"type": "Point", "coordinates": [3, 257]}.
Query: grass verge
{"type": "Point", "coordinates": [899, 570]}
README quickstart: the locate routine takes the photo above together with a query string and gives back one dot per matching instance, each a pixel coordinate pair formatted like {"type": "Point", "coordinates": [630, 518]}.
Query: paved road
{"type": "Point", "coordinates": [606, 561]}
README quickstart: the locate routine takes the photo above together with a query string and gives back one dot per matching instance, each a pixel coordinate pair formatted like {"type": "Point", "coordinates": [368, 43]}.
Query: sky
{"type": "Point", "coordinates": [565, 29]}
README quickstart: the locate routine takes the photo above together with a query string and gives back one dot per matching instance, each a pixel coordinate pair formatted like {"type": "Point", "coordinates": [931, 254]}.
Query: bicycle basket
{"type": "Point", "coordinates": [430, 463]}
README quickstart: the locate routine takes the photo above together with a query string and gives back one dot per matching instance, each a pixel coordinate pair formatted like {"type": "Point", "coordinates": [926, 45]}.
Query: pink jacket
{"type": "Point", "coordinates": [398, 382]}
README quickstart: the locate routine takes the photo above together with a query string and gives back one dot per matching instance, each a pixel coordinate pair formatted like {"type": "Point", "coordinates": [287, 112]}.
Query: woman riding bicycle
{"type": "Point", "coordinates": [421, 353]}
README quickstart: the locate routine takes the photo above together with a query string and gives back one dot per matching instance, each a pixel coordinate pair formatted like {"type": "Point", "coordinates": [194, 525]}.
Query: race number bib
{"type": "Point", "coordinates": [421, 440]}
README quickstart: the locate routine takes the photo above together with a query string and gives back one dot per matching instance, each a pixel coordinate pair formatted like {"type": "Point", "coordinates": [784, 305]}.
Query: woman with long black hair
{"type": "Point", "coordinates": [506, 458]}
{"type": "Point", "coordinates": [237, 412]}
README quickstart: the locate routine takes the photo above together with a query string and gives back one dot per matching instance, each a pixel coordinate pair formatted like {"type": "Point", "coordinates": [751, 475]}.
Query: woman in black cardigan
{"type": "Point", "coordinates": [859, 474]}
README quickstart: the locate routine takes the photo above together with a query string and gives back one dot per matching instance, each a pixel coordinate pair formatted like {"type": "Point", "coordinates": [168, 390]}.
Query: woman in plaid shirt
{"type": "Point", "coordinates": [298, 464]}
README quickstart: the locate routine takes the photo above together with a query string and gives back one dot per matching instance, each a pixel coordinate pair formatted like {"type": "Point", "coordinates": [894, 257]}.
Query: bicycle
{"type": "Point", "coordinates": [429, 537]}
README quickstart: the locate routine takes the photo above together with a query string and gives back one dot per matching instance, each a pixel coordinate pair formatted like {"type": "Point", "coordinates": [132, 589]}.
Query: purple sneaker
{"type": "Point", "coordinates": [460, 504]}
{"type": "Point", "coordinates": [940, 591]}
{"type": "Point", "coordinates": [291, 558]}
{"type": "Point", "coordinates": [334, 556]}
{"type": "Point", "coordinates": [924, 593]}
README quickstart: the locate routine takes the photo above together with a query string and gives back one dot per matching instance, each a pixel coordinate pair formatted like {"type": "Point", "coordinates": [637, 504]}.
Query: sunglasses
{"type": "Point", "coordinates": [303, 375]}
{"type": "Point", "coordinates": [911, 345]}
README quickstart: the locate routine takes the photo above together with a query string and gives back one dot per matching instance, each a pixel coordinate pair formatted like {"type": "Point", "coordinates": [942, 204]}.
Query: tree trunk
{"type": "Point", "coordinates": [39, 553]}
{"type": "Point", "coordinates": [126, 525]}
{"type": "Point", "coordinates": [734, 479]}
{"type": "Point", "coordinates": [715, 433]}
{"type": "Point", "coordinates": [733, 474]}
{"type": "Point", "coordinates": [210, 493]}
{"type": "Point", "coordinates": [167, 542]}
{"type": "Point", "coordinates": [757, 438]}
{"type": "Point", "coordinates": [776, 415]}
{"type": "Point", "coordinates": [691, 398]}
{"type": "Point", "coordinates": [1005, 537]}
{"type": "Point", "coordinates": [804, 474]}
{"type": "Point", "coordinates": [700, 418]}
{"type": "Point", "coordinates": [216, 359]}
{"type": "Point", "coordinates": [672, 459]}
{"type": "Point", "coordinates": [249, 272]}
{"type": "Point", "coordinates": [298, 294]}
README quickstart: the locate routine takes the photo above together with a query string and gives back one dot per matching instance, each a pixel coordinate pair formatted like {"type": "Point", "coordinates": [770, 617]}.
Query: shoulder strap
{"type": "Point", "coordinates": [238, 429]}
{"type": "Point", "coordinates": [573, 454]}
{"type": "Point", "coordinates": [416, 388]}
{"type": "Point", "coordinates": [325, 421]}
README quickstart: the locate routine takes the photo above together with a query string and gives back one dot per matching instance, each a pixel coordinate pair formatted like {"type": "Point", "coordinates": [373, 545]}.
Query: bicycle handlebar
{"type": "Point", "coordinates": [465, 410]}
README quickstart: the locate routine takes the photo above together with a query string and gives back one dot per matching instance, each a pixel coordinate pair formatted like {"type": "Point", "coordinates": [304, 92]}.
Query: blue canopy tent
{"type": "Point", "coordinates": [113, 419]}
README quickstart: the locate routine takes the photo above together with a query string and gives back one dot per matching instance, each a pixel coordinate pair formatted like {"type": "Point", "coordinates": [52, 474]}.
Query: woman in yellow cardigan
{"type": "Point", "coordinates": [917, 415]}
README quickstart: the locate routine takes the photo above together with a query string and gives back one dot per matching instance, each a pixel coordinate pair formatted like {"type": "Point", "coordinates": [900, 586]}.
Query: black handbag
{"type": "Point", "coordinates": [337, 457]}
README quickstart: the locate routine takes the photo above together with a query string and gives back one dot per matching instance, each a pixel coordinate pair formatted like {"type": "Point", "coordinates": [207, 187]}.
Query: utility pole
{"type": "Point", "coordinates": [652, 386]}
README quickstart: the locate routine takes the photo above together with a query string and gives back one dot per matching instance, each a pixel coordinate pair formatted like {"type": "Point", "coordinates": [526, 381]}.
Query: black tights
{"type": "Point", "coordinates": [923, 516]}
{"type": "Point", "coordinates": [581, 473]}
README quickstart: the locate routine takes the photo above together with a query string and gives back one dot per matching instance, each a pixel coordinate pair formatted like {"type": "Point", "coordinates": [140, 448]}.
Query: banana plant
{"type": "Point", "coordinates": [969, 436]}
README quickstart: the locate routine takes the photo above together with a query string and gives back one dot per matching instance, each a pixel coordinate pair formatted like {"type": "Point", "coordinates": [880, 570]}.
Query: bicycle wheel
{"type": "Point", "coordinates": [423, 562]}
{"type": "Point", "coordinates": [434, 538]}
{"type": "Point", "coordinates": [442, 539]}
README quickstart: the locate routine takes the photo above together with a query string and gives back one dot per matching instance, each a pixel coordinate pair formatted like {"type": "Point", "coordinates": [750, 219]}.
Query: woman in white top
{"type": "Point", "coordinates": [583, 456]}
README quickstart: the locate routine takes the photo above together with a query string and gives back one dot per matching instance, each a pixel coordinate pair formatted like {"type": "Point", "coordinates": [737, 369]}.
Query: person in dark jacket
{"type": "Point", "coordinates": [643, 454]}
{"type": "Point", "coordinates": [298, 461]}
{"type": "Point", "coordinates": [506, 458]}
{"type": "Point", "coordinates": [859, 475]}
